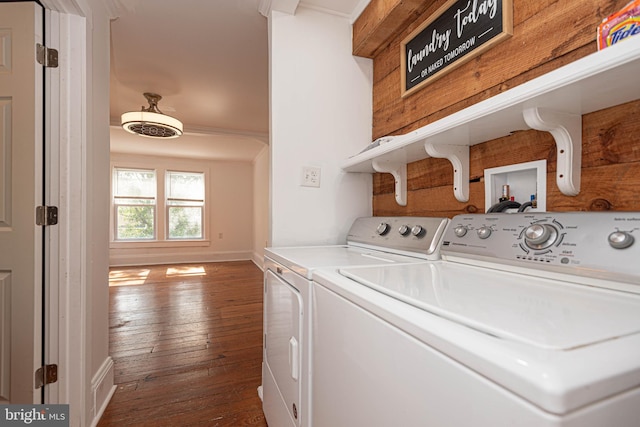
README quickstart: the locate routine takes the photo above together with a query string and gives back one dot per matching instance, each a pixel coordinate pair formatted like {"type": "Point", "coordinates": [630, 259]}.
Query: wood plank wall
{"type": "Point", "coordinates": [547, 35]}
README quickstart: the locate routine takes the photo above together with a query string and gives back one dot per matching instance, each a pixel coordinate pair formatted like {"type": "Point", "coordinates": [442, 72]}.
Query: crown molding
{"type": "Point", "coordinates": [83, 7]}
{"type": "Point", "coordinates": [286, 6]}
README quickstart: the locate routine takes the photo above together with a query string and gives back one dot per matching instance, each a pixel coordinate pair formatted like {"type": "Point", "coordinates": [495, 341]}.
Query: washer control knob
{"type": "Point", "coordinates": [484, 232]}
{"type": "Point", "coordinates": [537, 233]}
{"type": "Point", "coordinates": [460, 231]}
{"type": "Point", "coordinates": [418, 230]}
{"type": "Point", "coordinates": [620, 240]}
{"type": "Point", "coordinates": [383, 228]}
{"type": "Point", "coordinates": [540, 236]}
{"type": "Point", "coordinates": [404, 230]}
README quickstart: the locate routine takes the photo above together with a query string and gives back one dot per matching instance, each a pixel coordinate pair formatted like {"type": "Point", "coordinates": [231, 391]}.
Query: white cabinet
{"type": "Point", "coordinates": [554, 102]}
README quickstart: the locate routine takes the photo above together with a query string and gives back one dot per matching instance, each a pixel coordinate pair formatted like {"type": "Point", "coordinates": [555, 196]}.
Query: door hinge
{"type": "Point", "coordinates": [47, 56]}
{"type": "Point", "coordinates": [46, 215]}
{"type": "Point", "coordinates": [48, 374]}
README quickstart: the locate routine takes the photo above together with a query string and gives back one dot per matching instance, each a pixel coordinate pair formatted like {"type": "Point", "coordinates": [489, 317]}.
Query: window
{"type": "Point", "coordinates": [134, 198]}
{"type": "Point", "coordinates": [185, 202]}
{"type": "Point", "coordinates": [158, 205]}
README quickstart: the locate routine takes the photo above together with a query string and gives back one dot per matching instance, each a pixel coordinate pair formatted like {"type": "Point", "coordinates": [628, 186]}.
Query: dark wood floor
{"type": "Point", "coordinates": [187, 345]}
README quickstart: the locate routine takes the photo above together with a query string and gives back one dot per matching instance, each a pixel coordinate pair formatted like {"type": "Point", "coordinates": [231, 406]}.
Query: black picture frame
{"type": "Point", "coordinates": [459, 31]}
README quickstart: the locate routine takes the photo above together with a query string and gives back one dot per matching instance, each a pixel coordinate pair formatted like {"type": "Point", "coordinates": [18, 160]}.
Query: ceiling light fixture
{"type": "Point", "coordinates": [151, 122]}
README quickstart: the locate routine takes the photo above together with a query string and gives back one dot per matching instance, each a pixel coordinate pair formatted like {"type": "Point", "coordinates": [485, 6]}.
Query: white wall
{"type": "Point", "coordinates": [98, 364]}
{"type": "Point", "coordinates": [260, 205]}
{"type": "Point", "coordinates": [229, 202]}
{"type": "Point", "coordinates": [321, 112]}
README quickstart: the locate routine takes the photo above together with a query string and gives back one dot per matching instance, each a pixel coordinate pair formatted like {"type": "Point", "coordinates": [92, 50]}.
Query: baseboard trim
{"type": "Point", "coordinates": [102, 389]}
{"type": "Point", "coordinates": [176, 258]}
{"type": "Point", "coordinates": [258, 260]}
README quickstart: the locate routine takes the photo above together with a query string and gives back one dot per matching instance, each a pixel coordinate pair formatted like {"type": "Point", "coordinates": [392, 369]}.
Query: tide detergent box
{"type": "Point", "coordinates": [620, 26]}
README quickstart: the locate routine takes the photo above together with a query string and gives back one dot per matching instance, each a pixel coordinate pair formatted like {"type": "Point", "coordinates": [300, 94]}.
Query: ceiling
{"type": "Point", "coordinates": [208, 59]}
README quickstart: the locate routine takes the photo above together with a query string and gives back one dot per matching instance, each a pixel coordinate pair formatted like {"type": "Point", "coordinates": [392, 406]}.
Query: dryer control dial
{"type": "Point", "coordinates": [620, 239]}
{"type": "Point", "coordinates": [404, 230]}
{"type": "Point", "coordinates": [540, 236]}
{"type": "Point", "coordinates": [460, 231]}
{"type": "Point", "coordinates": [418, 230]}
{"type": "Point", "coordinates": [383, 228]}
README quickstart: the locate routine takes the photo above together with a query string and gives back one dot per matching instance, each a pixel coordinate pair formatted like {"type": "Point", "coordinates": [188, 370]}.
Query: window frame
{"type": "Point", "coordinates": [168, 206]}
{"type": "Point", "coordinates": [161, 215]}
{"type": "Point", "coordinates": [153, 199]}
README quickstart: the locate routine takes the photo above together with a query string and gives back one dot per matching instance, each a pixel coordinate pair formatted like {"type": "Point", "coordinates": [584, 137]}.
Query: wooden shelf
{"type": "Point", "coordinates": [554, 102]}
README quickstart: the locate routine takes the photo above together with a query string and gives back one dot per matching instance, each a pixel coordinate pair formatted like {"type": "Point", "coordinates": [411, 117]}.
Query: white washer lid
{"type": "Point", "coordinates": [545, 313]}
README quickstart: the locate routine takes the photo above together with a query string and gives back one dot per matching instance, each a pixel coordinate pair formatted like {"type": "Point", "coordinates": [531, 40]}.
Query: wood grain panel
{"type": "Point", "coordinates": [609, 142]}
{"type": "Point", "coordinates": [611, 187]}
{"type": "Point", "coordinates": [387, 61]}
{"type": "Point", "coordinates": [520, 147]}
{"type": "Point", "coordinates": [434, 201]}
{"type": "Point", "coordinates": [611, 136]}
{"type": "Point", "coordinates": [547, 35]}
{"type": "Point", "coordinates": [522, 78]}
{"type": "Point", "coordinates": [380, 20]}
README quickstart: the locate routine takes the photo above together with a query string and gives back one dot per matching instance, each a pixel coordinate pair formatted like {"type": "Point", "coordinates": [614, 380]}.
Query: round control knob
{"type": "Point", "coordinates": [404, 230]}
{"type": "Point", "coordinates": [418, 231]}
{"type": "Point", "coordinates": [460, 231]}
{"type": "Point", "coordinates": [620, 239]}
{"type": "Point", "coordinates": [383, 228]}
{"type": "Point", "coordinates": [540, 236]}
{"type": "Point", "coordinates": [484, 232]}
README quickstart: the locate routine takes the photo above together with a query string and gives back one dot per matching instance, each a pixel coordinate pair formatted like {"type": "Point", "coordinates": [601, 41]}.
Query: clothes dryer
{"type": "Point", "coordinates": [288, 304]}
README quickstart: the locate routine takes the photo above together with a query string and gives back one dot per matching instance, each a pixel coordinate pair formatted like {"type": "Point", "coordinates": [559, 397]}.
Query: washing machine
{"type": "Point", "coordinates": [288, 282]}
{"type": "Point", "coordinates": [529, 320]}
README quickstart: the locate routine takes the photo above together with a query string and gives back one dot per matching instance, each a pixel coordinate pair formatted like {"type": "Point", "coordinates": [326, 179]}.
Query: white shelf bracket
{"type": "Point", "coordinates": [567, 131]}
{"type": "Point", "coordinates": [458, 155]}
{"type": "Point", "coordinates": [398, 169]}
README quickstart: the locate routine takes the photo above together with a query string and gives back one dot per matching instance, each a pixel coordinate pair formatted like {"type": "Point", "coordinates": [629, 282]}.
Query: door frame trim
{"type": "Point", "coordinates": [65, 167]}
{"type": "Point", "coordinates": [80, 319]}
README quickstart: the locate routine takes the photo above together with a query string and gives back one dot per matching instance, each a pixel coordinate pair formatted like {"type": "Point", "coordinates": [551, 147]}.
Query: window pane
{"type": "Point", "coordinates": [185, 203]}
{"type": "Point", "coordinates": [135, 222]}
{"type": "Point", "coordinates": [185, 222]}
{"type": "Point", "coordinates": [127, 201]}
{"type": "Point", "coordinates": [185, 185]}
{"type": "Point", "coordinates": [132, 183]}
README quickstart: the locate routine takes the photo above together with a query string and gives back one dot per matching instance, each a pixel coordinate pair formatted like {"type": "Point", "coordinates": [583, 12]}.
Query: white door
{"type": "Point", "coordinates": [21, 186]}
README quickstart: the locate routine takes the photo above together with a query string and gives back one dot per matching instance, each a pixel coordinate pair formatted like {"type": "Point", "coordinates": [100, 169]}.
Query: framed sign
{"type": "Point", "coordinates": [457, 32]}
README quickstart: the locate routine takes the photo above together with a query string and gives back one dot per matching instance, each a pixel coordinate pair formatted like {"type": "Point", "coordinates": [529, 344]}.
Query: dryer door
{"type": "Point", "coordinates": [282, 351]}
